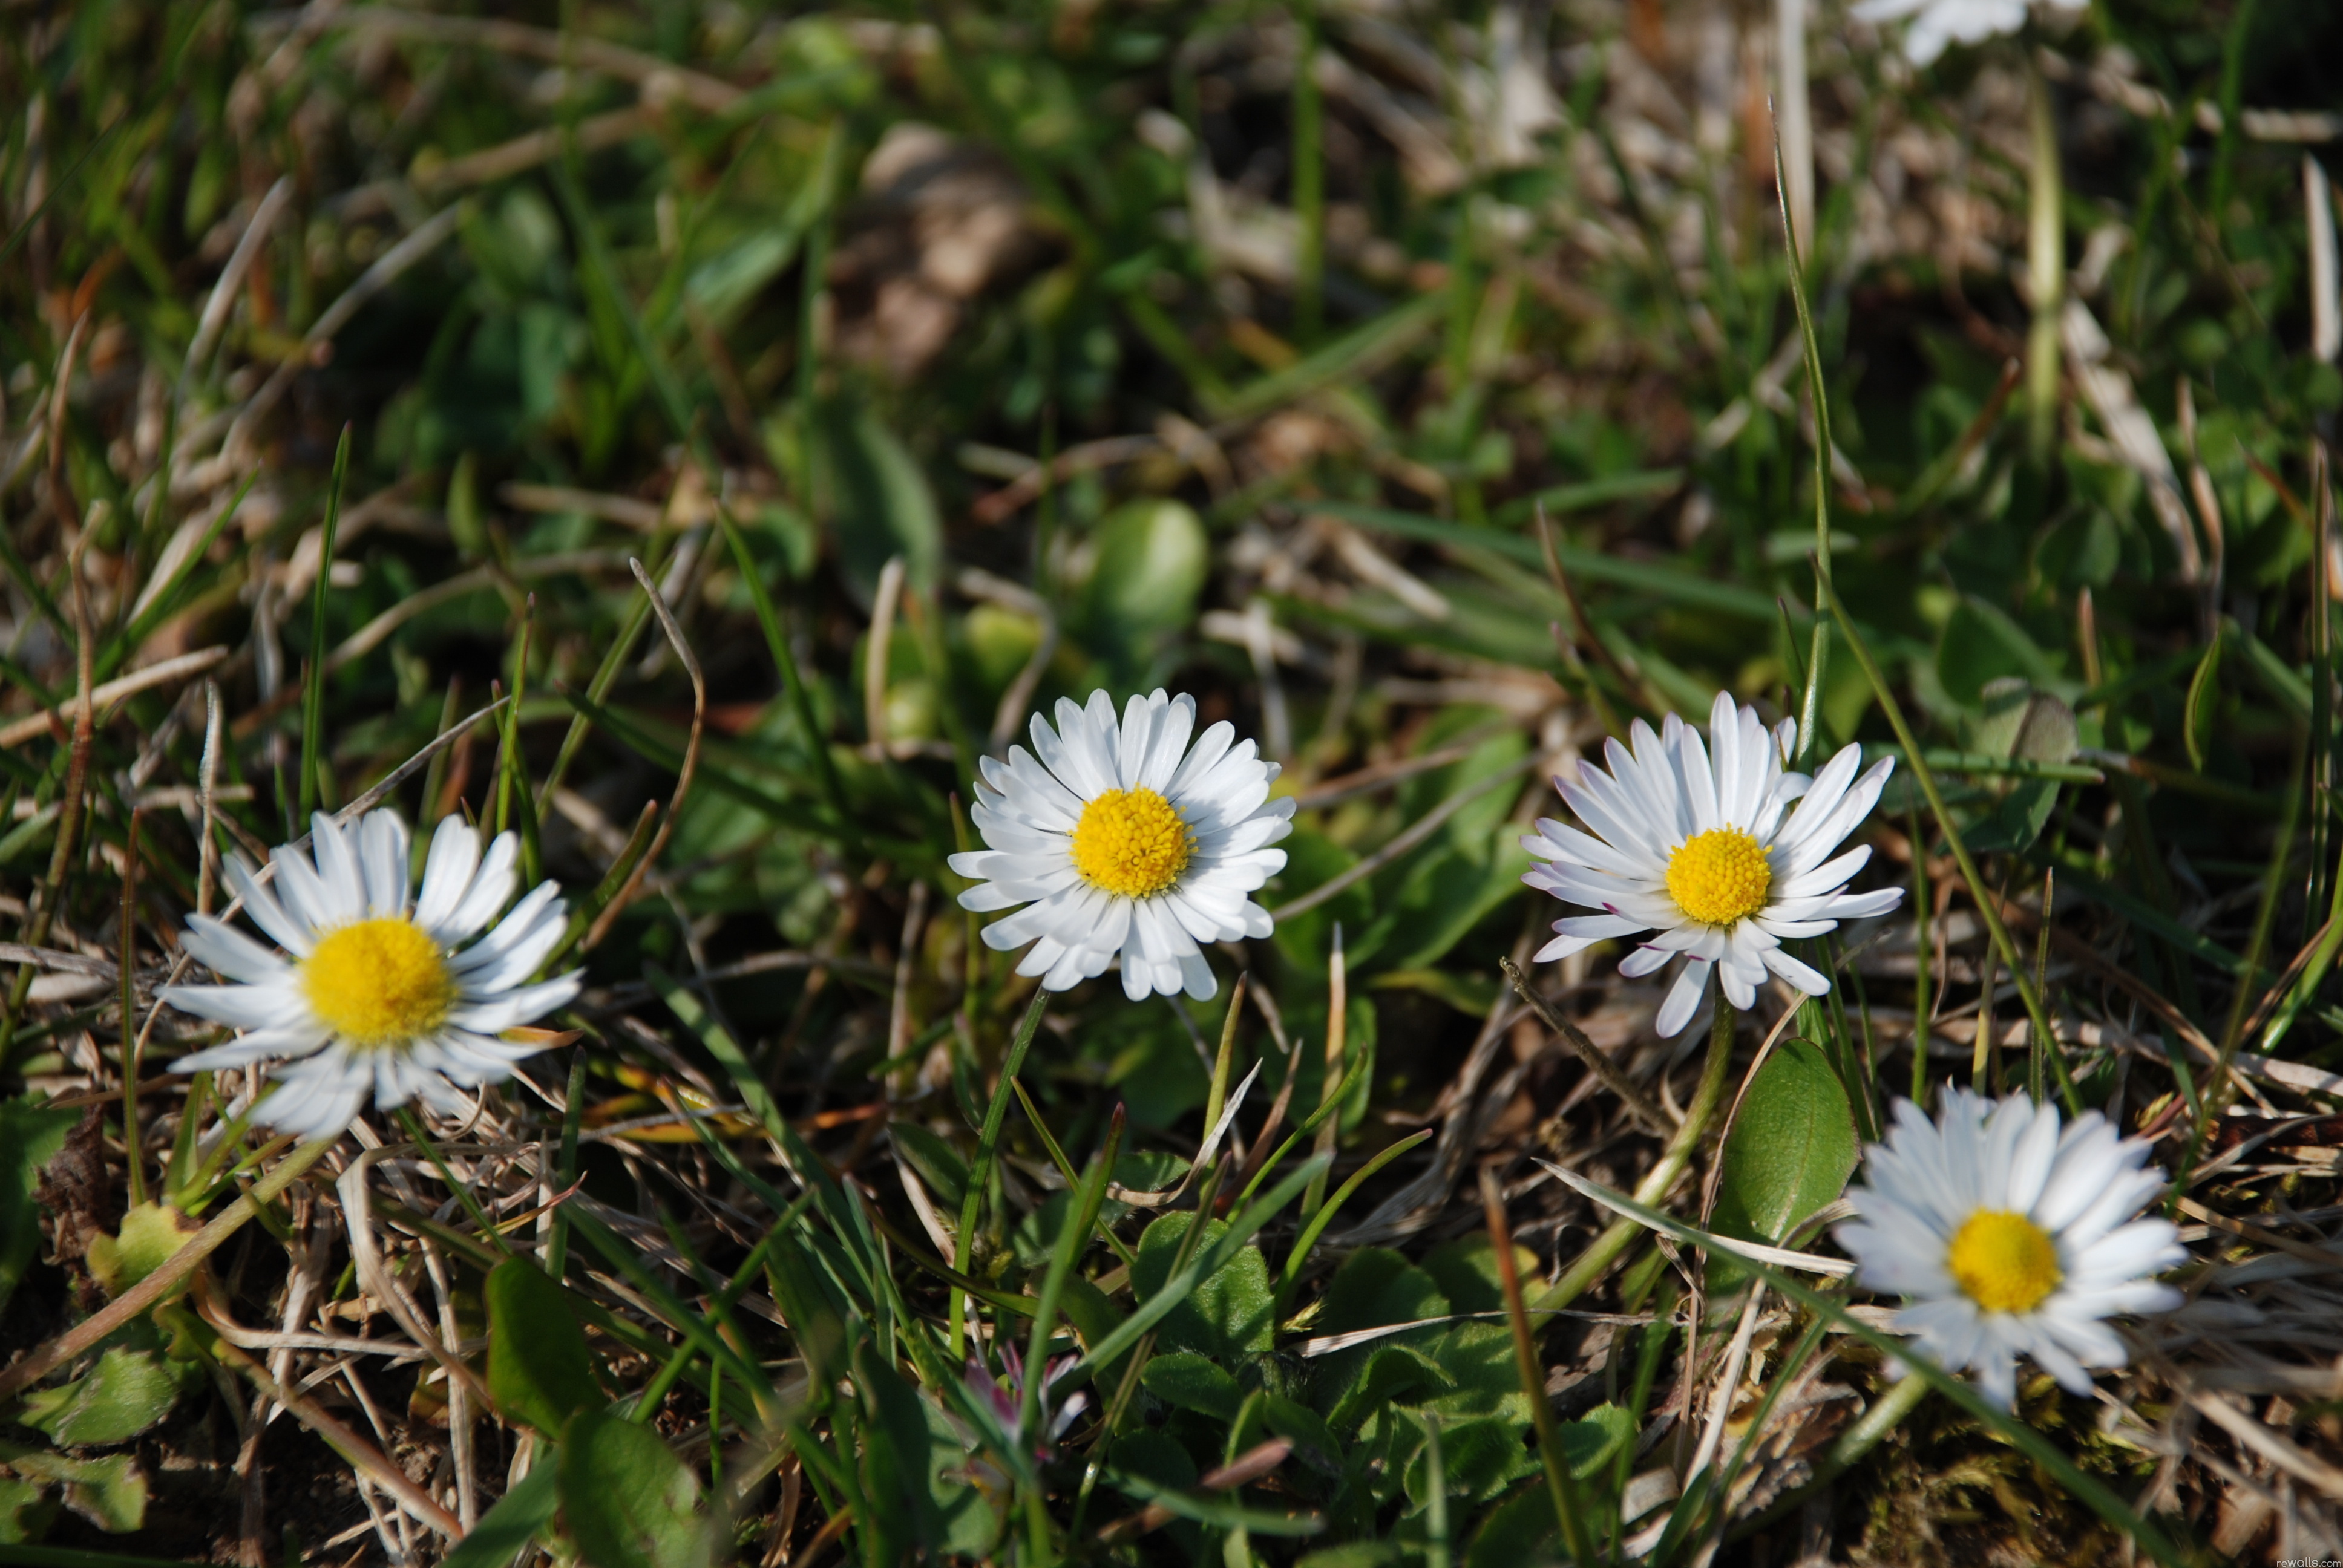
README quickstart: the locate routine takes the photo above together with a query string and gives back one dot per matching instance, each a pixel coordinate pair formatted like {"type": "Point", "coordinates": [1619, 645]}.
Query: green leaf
{"type": "Point", "coordinates": [896, 1461]}
{"type": "Point", "coordinates": [30, 1136]}
{"type": "Point", "coordinates": [1466, 1271]}
{"type": "Point", "coordinates": [1228, 1313]}
{"type": "Point", "coordinates": [2014, 824]}
{"type": "Point", "coordinates": [972, 1518]}
{"type": "Point", "coordinates": [1348, 1392]}
{"type": "Point", "coordinates": [1981, 644]}
{"type": "Point", "coordinates": [128, 1391]}
{"type": "Point", "coordinates": [1790, 1153]}
{"type": "Point", "coordinates": [150, 1234]}
{"type": "Point", "coordinates": [627, 1499]}
{"type": "Point", "coordinates": [811, 1305]}
{"type": "Point", "coordinates": [2204, 699]}
{"type": "Point", "coordinates": [515, 1521]}
{"type": "Point", "coordinates": [539, 1366]}
{"type": "Point", "coordinates": [1376, 1286]}
{"type": "Point", "coordinates": [24, 1512]}
{"type": "Point", "coordinates": [1222, 1250]}
{"type": "Point", "coordinates": [1353, 1554]}
{"type": "Point", "coordinates": [1193, 1383]}
{"type": "Point", "coordinates": [110, 1492]}
{"type": "Point", "coordinates": [1477, 1360]}
{"type": "Point", "coordinates": [879, 502]}
{"type": "Point", "coordinates": [1313, 1445]}
{"type": "Point", "coordinates": [1522, 1529]}
{"type": "Point", "coordinates": [937, 1163]}
{"type": "Point", "coordinates": [2021, 723]}
{"type": "Point", "coordinates": [1590, 1443]}
{"type": "Point", "coordinates": [1154, 1456]}
{"type": "Point", "coordinates": [1151, 559]}
{"type": "Point", "coordinates": [1481, 1457]}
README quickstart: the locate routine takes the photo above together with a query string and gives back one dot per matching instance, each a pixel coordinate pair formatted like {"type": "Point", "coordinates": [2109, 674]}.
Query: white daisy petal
{"type": "Point", "coordinates": [265, 1005]}
{"type": "Point", "coordinates": [382, 858]}
{"type": "Point", "coordinates": [1674, 818]}
{"type": "Point", "coordinates": [262, 905]}
{"type": "Point", "coordinates": [491, 888]}
{"type": "Point", "coordinates": [223, 950]}
{"type": "Point", "coordinates": [2009, 1236]}
{"type": "Point", "coordinates": [338, 867]}
{"type": "Point", "coordinates": [448, 867]}
{"type": "Point", "coordinates": [378, 999]}
{"type": "Point", "coordinates": [305, 894]}
{"type": "Point", "coordinates": [1684, 1000]}
{"type": "Point", "coordinates": [1169, 867]}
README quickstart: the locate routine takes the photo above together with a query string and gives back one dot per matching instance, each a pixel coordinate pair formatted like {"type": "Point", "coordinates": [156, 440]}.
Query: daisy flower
{"type": "Point", "coordinates": [376, 993]}
{"type": "Point", "coordinates": [2009, 1236]}
{"type": "Point", "coordinates": [1120, 838]}
{"type": "Point", "coordinates": [1936, 23]}
{"type": "Point", "coordinates": [1702, 853]}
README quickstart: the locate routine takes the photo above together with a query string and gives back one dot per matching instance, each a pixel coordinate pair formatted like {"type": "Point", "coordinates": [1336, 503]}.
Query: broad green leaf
{"type": "Point", "coordinates": [1155, 1456]}
{"type": "Point", "coordinates": [972, 1518]}
{"type": "Point", "coordinates": [1590, 1443]}
{"type": "Point", "coordinates": [1215, 1508]}
{"type": "Point", "coordinates": [2014, 824]}
{"type": "Point", "coordinates": [896, 1461]}
{"type": "Point", "coordinates": [539, 1366]}
{"type": "Point", "coordinates": [1790, 1151]}
{"type": "Point", "coordinates": [1466, 1271]}
{"type": "Point", "coordinates": [1477, 1360]}
{"type": "Point", "coordinates": [1150, 561]}
{"type": "Point", "coordinates": [1148, 1170]}
{"type": "Point", "coordinates": [1448, 891]}
{"type": "Point", "coordinates": [24, 1512]}
{"type": "Point", "coordinates": [1350, 1391]}
{"type": "Point", "coordinates": [1089, 1308]}
{"type": "Point", "coordinates": [1376, 1286]}
{"type": "Point", "coordinates": [811, 1305]}
{"type": "Point", "coordinates": [2002, 702]}
{"type": "Point", "coordinates": [150, 1234]}
{"type": "Point", "coordinates": [1982, 644]}
{"type": "Point", "coordinates": [1193, 1383]}
{"type": "Point", "coordinates": [1481, 1456]}
{"type": "Point", "coordinates": [1218, 1257]}
{"type": "Point", "coordinates": [1353, 1554]}
{"type": "Point", "coordinates": [515, 1521]}
{"type": "Point", "coordinates": [125, 1393]}
{"type": "Point", "coordinates": [1227, 1314]}
{"type": "Point", "coordinates": [878, 501]}
{"type": "Point", "coordinates": [2024, 723]}
{"type": "Point", "coordinates": [110, 1492]}
{"type": "Point", "coordinates": [1313, 860]}
{"type": "Point", "coordinates": [1313, 1445]}
{"type": "Point", "coordinates": [627, 1499]}
{"type": "Point", "coordinates": [938, 1164]}
{"type": "Point", "coordinates": [1522, 1529]}
{"type": "Point", "coordinates": [30, 1136]}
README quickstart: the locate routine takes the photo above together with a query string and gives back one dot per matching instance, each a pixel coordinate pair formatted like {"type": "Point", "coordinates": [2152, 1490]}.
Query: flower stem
{"type": "Point", "coordinates": [1605, 1250]}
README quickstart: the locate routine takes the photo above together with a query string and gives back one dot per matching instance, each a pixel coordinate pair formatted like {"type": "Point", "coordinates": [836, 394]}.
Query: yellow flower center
{"type": "Point", "coordinates": [1720, 876]}
{"type": "Point", "coordinates": [379, 982]}
{"type": "Point", "coordinates": [2005, 1263]}
{"type": "Point", "coordinates": [1131, 842]}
